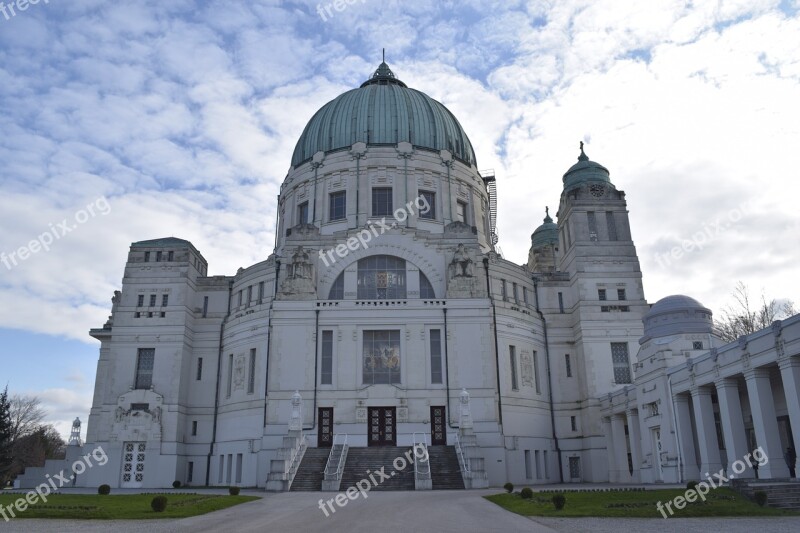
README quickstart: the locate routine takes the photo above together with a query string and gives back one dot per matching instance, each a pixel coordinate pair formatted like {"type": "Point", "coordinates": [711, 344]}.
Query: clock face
{"type": "Point", "coordinates": [597, 190]}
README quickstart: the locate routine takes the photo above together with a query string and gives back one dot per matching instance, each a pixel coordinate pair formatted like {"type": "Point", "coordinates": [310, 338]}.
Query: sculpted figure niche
{"type": "Point", "coordinates": [299, 283]}
{"type": "Point", "coordinates": [461, 279]}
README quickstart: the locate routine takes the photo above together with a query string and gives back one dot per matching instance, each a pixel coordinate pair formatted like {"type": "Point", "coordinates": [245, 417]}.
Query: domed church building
{"type": "Point", "coordinates": [385, 317]}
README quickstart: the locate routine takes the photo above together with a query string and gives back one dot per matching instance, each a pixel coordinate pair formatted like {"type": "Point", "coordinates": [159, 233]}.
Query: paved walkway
{"type": "Point", "coordinates": [402, 512]}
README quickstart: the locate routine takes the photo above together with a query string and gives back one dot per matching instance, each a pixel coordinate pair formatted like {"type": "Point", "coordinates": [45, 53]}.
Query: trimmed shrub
{"type": "Point", "coordinates": [233, 491]}
{"type": "Point", "coordinates": [176, 484]}
{"type": "Point", "coordinates": [691, 485]}
{"type": "Point", "coordinates": [559, 500]}
{"type": "Point", "coordinates": [509, 487]}
{"type": "Point", "coordinates": [760, 497]}
{"type": "Point", "coordinates": [526, 493]}
{"type": "Point", "coordinates": [159, 503]}
{"type": "Point", "coordinates": [104, 490]}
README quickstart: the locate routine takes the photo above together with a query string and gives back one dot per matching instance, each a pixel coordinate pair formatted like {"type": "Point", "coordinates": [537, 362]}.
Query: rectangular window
{"type": "Point", "coordinates": [163, 314]}
{"type": "Point", "coordinates": [260, 291]}
{"type": "Point", "coordinates": [249, 295]}
{"type": "Point", "coordinates": [152, 300]}
{"type": "Point", "coordinates": [190, 472]}
{"type": "Point", "coordinates": [140, 407]}
{"type": "Point", "coordinates": [561, 302]}
{"type": "Point", "coordinates": [199, 374]}
{"type": "Point", "coordinates": [461, 212]}
{"type": "Point", "coordinates": [164, 300]}
{"type": "Point", "coordinates": [515, 293]}
{"type": "Point", "coordinates": [512, 359]}
{"type": "Point", "coordinates": [538, 464]}
{"type": "Point", "coordinates": [159, 256]}
{"type": "Point", "coordinates": [436, 356]}
{"type": "Point", "coordinates": [612, 226]}
{"type": "Point", "coordinates": [205, 306]}
{"type": "Point", "coordinates": [503, 290]}
{"type": "Point", "coordinates": [697, 345]}
{"type": "Point", "coordinates": [230, 469]}
{"type": "Point", "coordinates": [221, 467]}
{"type": "Point", "coordinates": [239, 458]}
{"type": "Point", "coordinates": [528, 466]}
{"type": "Point", "coordinates": [170, 256]}
{"type": "Point", "coordinates": [382, 203]}
{"type": "Point", "coordinates": [544, 460]}
{"type": "Point", "coordinates": [573, 423]}
{"type": "Point", "coordinates": [194, 428]}
{"type": "Point", "coordinates": [337, 206]}
{"type": "Point", "coordinates": [144, 368]}
{"type": "Point", "coordinates": [326, 376]}
{"type": "Point", "coordinates": [536, 372]}
{"type": "Point", "coordinates": [251, 378]}
{"type": "Point", "coordinates": [592, 226]}
{"type": "Point", "coordinates": [601, 295]}
{"type": "Point", "coordinates": [147, 257]}
{"type": "Point", "coordinates": [381, 357]}
{"type": "Point", "coordinates": [430, 199]}
{"type": "Point", "coordinates": [140, 303]}
{"type": "Point", "coordinates": [622, 367]}
{"type": "Point", "coordinates": [621, 294]}
{"type": "Point", "coordinates": [568, 365]}
{"type": "Point", "coordinates": [230, 375]}
{"type": "Point", "coordinates": [302, 213]}
{"type": "Point", "coordinates": [525, 295]}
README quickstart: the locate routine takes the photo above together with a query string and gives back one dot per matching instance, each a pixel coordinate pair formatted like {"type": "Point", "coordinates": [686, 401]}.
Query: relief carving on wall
{"type": "Point", "coordinates": [299, 283]}
{"type": "Point", "coordinates": [238, 372]}
{"type": "Point", "coordinates": [527, 369]}
{"type": "Point", "coordinates": [462, 281]}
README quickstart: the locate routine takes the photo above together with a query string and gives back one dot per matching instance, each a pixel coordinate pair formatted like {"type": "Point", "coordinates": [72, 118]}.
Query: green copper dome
{"type": "Point", "coordinates": [383, 111]}
{"type": "Point", "coordinates": [584, 171]}
{"type": "Point", "coordinates": [546, 234]}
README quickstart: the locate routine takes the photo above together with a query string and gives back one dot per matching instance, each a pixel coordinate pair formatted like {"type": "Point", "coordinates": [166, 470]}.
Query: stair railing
{"type": "Point", "coordinates": [422, 465]}
{"type": "Point", "coordinates": [462, 460]}
{"type": "Point", "coordinates": [335, 465]}
{"type": "Point", "coordinates": [295, 456]}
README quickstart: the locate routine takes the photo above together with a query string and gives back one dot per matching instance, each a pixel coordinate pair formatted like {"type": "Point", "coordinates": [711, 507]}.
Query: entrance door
{"type": "Point", "coordinates": [325, 434]}
{"type": "Point", "coordinates": [133, 465]}
{"type": "Point", "coordinates": [382, 425]}
{"type": "Point", "coordinates": [438, 426]}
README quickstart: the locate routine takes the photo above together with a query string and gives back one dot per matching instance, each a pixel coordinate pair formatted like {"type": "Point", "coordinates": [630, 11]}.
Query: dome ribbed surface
{"type": "Point", "coordinates": [383, 111]}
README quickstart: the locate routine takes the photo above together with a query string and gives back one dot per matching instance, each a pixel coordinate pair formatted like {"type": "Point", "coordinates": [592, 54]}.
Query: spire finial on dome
{"type": "Point", "coordinates": [583, 156]}
{"type": "Point", "coordinates": [547, 219]}
{"type": "Point", "coordinates": [383, 75]}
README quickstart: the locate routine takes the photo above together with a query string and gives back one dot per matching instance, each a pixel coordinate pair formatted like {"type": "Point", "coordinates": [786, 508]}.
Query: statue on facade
{"type": "Point", "coordinates": [301, 265]}
{"type": "Point", "coordinates": [462, 264]}
{"type": "Point", "coordinates": [465, 414]}
{"type": "Point", "coordinates": [299, 282]}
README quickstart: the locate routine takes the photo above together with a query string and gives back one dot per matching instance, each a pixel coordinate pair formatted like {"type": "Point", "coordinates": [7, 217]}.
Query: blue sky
{"type": "Point", "coordinates": [183, 115]}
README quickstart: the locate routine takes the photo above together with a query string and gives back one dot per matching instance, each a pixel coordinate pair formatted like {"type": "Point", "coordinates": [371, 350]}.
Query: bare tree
{"type": "Point", "coordinates": [26, 415]}
{"type": "Point", "coordinates": [746, 316]}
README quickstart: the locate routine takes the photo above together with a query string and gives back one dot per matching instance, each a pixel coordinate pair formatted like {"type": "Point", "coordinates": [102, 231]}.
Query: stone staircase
{"type": "Point", "coordinates": [782, 494]}
{"type": "Point", "coordinates": [312, 470]}
{"type": "Point", "coordinates": [359, 460]}
{"type": "Point", "coordinates": [445, 470]}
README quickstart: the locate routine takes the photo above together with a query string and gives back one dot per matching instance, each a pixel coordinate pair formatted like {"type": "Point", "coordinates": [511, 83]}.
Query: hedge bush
{"type": "Point", "coordinates": [559, 500]}
{"type": "Point", "coordinates": [691, 485]}
{"type": "Point", "coordinates": [526, 493]}
{"type": "Point", "coordinates": [159, 503]}
{"type": "Point", "coordinates": [509, 487]}
{"type": "Point", "coordinates": [760, 497]}
{"type": "Point", "coordinates": [104, 489]}
{"type": "Point", "coordinates": [233, 491]}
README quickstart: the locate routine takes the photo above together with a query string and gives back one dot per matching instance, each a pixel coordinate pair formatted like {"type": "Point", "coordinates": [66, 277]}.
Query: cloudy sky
{"type": "Point", "coordinates": [130, 120]}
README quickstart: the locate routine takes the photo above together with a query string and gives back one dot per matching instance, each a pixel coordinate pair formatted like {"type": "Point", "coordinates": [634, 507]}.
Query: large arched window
{"type": "Point", "coordinates": [425, 287]}
{"type": "Point", "coordinates": [381, 277]}
{"type": "Point", "coordinates": [337, 289]}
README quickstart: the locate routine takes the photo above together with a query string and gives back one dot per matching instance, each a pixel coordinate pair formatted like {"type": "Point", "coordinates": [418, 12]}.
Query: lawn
{"type": "Point", "coordinates": [126, 506]}
{"type": "Point", "coordinates": [635, 504]}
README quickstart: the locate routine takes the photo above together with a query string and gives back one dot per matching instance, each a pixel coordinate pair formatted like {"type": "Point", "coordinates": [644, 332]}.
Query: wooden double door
{"type": "Point", "coordinates": [382, 423]}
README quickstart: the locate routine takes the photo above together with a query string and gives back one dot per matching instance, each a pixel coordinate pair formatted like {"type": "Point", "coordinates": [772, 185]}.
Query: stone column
{"type": "Point", "coordinates": [765, 423]}
{"type": "Point", "coordinates": [686, 434]}
{"type": "Point", "coordinates": [706, 431]}
{"type": "Point", "coordinates": [730, 412]}
{"type": "Point", "coordinates": [620, 450]}
{"type": "Point", "coordinates": [790, 374]}
{"type": "Point", "coordinates": [609, 431]}
{"type": "Point", "coordinates": [635, 440]}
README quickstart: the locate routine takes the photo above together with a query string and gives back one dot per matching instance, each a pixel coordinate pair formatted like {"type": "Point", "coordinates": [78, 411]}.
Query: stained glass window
{"type": "Point", "coordinates": [381, 357]}
{"type": "Point", "coordinates": [381, 277]}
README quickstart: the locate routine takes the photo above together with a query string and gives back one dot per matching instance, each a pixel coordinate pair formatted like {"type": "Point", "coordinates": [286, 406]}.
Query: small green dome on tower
{"type": "Point", "coordinates": [585, 171]}
{"type": "Point", "coordinates": [547, 233]}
